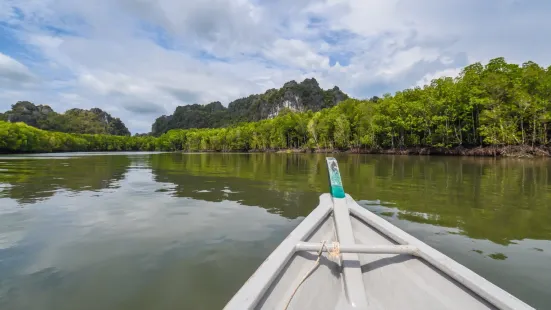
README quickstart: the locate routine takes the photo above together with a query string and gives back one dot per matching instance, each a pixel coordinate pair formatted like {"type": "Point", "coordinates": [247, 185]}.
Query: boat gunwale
{"type": "Point", "coordinates": [488, 291]}
{"type": "Point", "coordinates": [248, 296]}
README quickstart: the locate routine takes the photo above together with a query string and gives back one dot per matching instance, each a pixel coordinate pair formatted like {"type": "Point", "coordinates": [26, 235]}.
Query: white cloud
{"type": "Point", "coordinates": [12, 71]}
{"type": "Point", "coordinates": [371, 17]}
{"type": "Point", "coordinates": [141, 58]}
{"type": "Point", "coordinates": [427, 78]}
{"type": "Point", "coordinates": [296, 53]}
{"type": "Point", "coordinates": [403, 60]}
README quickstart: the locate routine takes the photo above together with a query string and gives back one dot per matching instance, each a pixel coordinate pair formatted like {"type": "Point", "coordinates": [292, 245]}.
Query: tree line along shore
{"type": "Point", "coordinates": [494, 109]}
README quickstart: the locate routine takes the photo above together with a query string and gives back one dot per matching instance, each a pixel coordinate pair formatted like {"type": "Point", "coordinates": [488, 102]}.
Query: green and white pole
{"type": "Point", "coordinates": [335, 181]}
{"type": "Point", "coordinates": [352, 274]}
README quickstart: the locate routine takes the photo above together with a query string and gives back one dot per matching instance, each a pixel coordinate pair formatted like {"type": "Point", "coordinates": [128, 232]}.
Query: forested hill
{"type": "Point", "coordinates": [93, 121]}
{"type": "Point", "coordinates": [298, 97]}
{"type": "Point", "coordinates": [488, 109]}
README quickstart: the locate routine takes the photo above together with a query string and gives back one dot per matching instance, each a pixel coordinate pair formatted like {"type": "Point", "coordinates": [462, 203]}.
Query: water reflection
{"type": "Point", "coordinates": [279, 184]}
{"type": "Point", "coordinates": [28, 180]}
{"type": "Point", "coordinates": [140, 229]}
{"type": "Point", "coordinates": [499, 200]}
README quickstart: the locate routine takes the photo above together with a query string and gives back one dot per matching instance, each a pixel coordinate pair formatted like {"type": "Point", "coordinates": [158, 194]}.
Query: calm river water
{"type": "Point", "coordinates": [185, 231]}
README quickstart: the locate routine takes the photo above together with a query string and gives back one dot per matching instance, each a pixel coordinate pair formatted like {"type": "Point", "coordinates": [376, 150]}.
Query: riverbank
{"type": "Point", "coordinates": [512, 151]}
{"type": "Point", "coordinates": [19, 138]}
{"type": "Point", "coordinates": [517, 151]}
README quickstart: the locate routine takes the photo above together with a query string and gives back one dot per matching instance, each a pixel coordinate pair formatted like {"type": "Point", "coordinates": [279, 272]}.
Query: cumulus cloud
{"type": "Point", "coordinates": [13, 72]}
{"type": "Point", "coordinates": [139, 59]}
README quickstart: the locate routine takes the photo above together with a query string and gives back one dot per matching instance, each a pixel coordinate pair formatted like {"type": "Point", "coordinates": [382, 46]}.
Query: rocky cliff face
{"type": "Point", "coordinates": [303, 97]}
{"type": "Point", "coordinates": [298, 97]}
{"type": "Point", "coordinates": [94, 121]}
{"type": "Point", "coordinates": [27, 112]}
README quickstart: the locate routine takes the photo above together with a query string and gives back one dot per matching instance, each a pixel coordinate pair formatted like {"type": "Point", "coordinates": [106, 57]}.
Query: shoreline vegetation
{"type": "Point", "coordinates": [18, 138]}
{"type": "Point", "coordinates": [497, 109]}
{"type": "Point", "coordinates": [517, 151]}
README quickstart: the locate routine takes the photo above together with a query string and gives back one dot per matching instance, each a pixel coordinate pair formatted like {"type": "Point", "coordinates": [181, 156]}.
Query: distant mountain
{"type": "Point", "coordinates": [93, 121]}
{"type": "Point", "coordinates": [300, 97]}
{"type": "Point", "coordinates": [192, 116]}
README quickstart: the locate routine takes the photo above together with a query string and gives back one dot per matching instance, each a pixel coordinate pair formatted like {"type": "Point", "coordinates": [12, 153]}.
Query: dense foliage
{"type": "Point", "coordinates": [93, 121]}
{"type": "Point", "coordinates": [20, 137]}
{"type": "Point", "coordinates": [299, 97]}
{"type": "Point", "coordinates": [192, 116]}
{"type": "Point", "coordinates": [497, 104]}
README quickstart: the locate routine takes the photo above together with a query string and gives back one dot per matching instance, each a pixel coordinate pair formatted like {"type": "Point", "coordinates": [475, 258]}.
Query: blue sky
{"type": "Point", "coordinates": [139, 59]}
